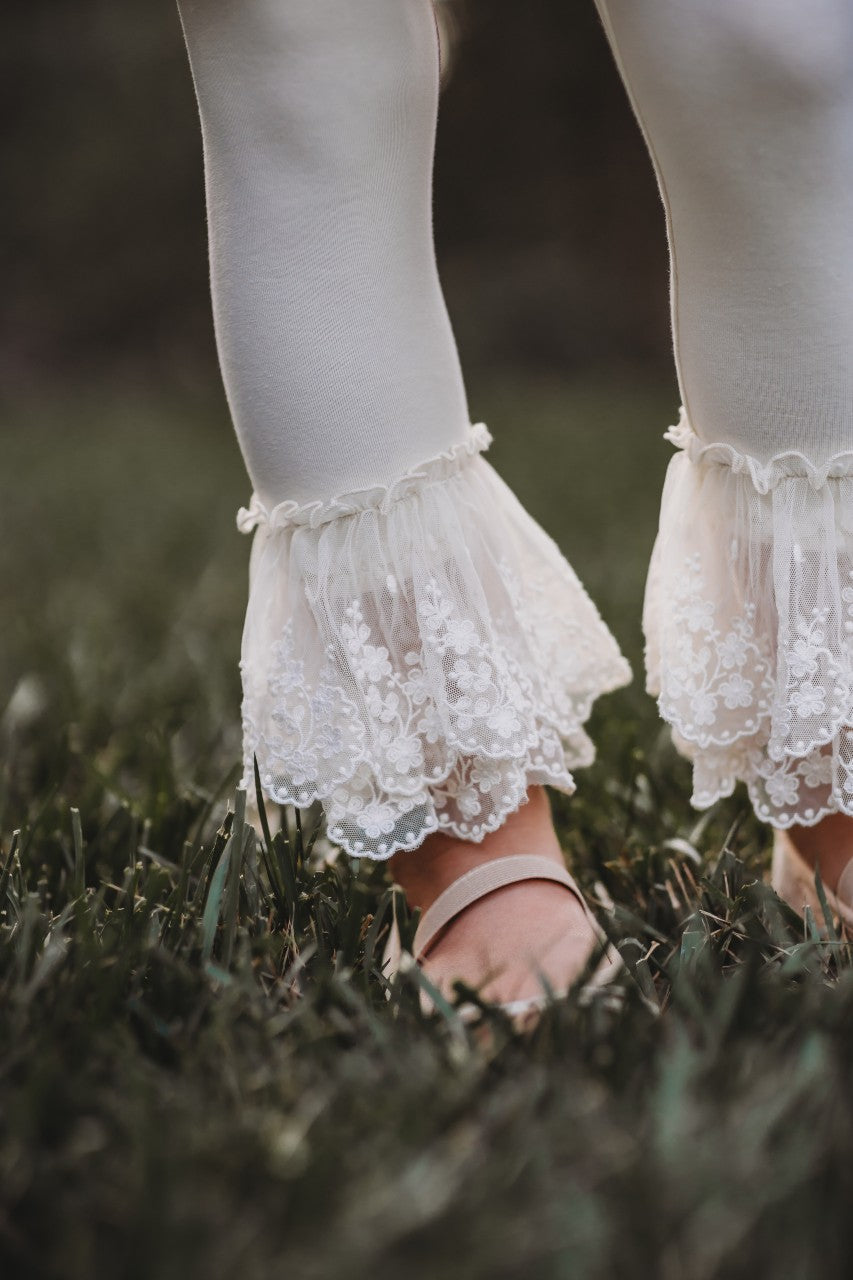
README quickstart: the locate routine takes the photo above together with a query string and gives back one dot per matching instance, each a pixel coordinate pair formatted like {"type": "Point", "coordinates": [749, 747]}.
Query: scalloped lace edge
{"type": "Point", "coordinates": [810, 818]}
{"type": "Point", "coordinates": [305, 702]}
{"type": "Point", "coordinates": [705, 742]}
{"type": "Point", "coordinates": [578, 751]}
{"type": "Point", "coordinates": [561, 780]}
{"type": "Point", "coordinates": [614, 678]}
{"type": "Point", "coordinates": [707, 654]}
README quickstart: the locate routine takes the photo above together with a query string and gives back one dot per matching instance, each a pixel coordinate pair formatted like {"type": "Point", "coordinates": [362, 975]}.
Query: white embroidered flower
{"type": "Point", "coordinates": [329, 738]}
{"type": "Point", "coordinates": [704, 707]}
{"type": "Point", "coordinates": [783, 789]}
{"type": "Point", "coordinates": [699, 615]}
{"type": "Point", "coordinates": [372, 663]}
{"type": "Point", "coordinates": [472, 679]}
{"type": "Point", "coordinates": [736, 691]}
{"type": "Point", "coordinates": [289, 716]}
{"type": "Point", "coordinates": [504, 721]}
{"type": "Point", "coordinates": [470, 802]}
{"type": "Point", "coordinates": [486, 774]}
{"type": "Point", "coordinates": [481, 707]}
{"type": "Point", "coordinates": [809, 699]}
{"type": "Point", "coordinates": [301, 766]}
{"type": "Point", "coordinates": [434, 609]}
{"type": "Point", "coordinates": [376, 819]}
{"type": "Point", "coordinates": [406, 754]}
{"type": "Point", "coordinates": [733, 650]}
{"type": "Point", "coordinates": [355, 636]}
{"type": "Point", "coordinates": [417, 688]}
{"type": "Point", "coordinates": [462, 636]}
{"type": "Point", "coordinates": [382, 707]}
{"type": "Point", "coordinates": [816, 769]}
{"type": "Point", "coordinates": [677, 682]}
{"type": "Point", "coordinates": [802, 657]}
{"type": "Point", "coordinates": [691, 662]}
{"type": "Point", "coordinates": [431, 724]}
{"type": "Point", "coordinates": [326, 701]}
{"type": "Point", "coordinates": [287, 677]}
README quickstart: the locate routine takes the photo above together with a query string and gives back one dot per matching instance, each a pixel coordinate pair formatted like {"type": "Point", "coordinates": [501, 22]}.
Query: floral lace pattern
{"type": "Point", "coordinates": [748, 620]}
{"type": "Point", "coordinates": [417, 663]}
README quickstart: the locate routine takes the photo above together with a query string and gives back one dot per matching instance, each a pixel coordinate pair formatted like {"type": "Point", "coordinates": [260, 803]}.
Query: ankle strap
{"type": "Point", "coordinates": [481, 880]}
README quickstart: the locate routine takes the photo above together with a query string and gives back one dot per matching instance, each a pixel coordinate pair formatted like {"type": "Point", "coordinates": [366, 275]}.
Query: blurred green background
{"type": "Point", "coordinates": [548, 221]}
{"type": "Point", "coordinates": [162, 1117]}
{"type": "Point", "coordinates": [121, 568]}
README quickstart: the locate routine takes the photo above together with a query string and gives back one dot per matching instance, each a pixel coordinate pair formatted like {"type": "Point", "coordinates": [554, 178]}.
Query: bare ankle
{"type": "Point", "coordinates": [828, 845]}
{"type": "Point", "coordinates": [425, 872]}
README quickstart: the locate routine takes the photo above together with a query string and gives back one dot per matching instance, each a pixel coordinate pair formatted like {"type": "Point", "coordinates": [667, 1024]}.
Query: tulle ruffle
{"type": "Point", "coordinates": [748, 620]}
{"type": "Point", "coordinates": [415, 656]}
{"type": "Point", "coordinates": [379, 498]}
{"type": "Point", "coordinates": [767, 475]}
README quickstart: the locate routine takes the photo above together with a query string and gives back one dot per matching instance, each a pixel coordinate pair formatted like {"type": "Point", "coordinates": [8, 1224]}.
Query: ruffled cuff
{"type": "Point", "coordinates": [748, 621]}
{"type": "Point", "coordinates": [416, 656]}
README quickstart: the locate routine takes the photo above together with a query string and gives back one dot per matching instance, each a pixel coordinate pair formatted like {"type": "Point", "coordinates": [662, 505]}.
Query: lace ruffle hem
{"type": "Point", "coordinates": [416, 656]}
{"type": "Point", "coordinates": [748, 620]}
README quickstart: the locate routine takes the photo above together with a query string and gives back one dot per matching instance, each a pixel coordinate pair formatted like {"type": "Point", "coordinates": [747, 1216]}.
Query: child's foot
{"type": "Point", "coordinates": [827, 847]}
{"type": "Point", "coordinates": [828, 844]}
{"type": "Point", "coordinates": [501, 942]}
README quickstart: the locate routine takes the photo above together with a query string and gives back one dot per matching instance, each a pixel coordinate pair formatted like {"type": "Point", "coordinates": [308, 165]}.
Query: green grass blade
{"type": "Point", "coordinates": [79, 853]}
{"type": "Point", "coordinates": [6, 873]}
{"type": "Point", "coordinates": [831, 930]}
{"type": "Point", "coordinates": [213, 903]}
{"type": "Point", "coordinates": [261, 805]}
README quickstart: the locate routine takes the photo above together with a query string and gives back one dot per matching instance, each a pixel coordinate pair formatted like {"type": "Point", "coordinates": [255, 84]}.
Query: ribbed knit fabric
{"type": "Point", "coordinates": [747, 110]}
{"type": "Point", "coordinates": [318, 118]}
{"type": "Point", "coordinates": [417, 651]}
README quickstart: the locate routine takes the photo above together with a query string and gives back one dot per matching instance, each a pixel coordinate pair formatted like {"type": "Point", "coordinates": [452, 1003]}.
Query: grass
{"type": "Point", "coordinates": [203, 1073]}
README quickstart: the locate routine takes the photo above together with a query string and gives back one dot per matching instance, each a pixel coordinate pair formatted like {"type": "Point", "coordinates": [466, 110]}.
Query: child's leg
{"type": "Point", "coordinates": [336, 350]}
{"type": "Point", "coordinates": [417, 653]}
{"type": "Point", "coordinates": [748, 113]}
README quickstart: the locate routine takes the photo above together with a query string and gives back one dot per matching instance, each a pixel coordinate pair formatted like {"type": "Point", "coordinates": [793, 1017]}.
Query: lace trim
{"type": "Point", "coordinates": [466, 783]}
{"type": "Point", "coordinates": [797, 791]}
{"type": "Point", "coordinates": [764, 475]}
{"type": "Point", "coordinates": [748, 620]}
{"type": "Point", "coordinates": [378, 497]}
{"type": "Point", "coordinates": [419, 668]}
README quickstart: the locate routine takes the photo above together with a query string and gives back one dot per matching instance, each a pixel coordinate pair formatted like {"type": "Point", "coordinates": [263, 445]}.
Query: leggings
{"type": "Point", "coordinates": [417, 652]}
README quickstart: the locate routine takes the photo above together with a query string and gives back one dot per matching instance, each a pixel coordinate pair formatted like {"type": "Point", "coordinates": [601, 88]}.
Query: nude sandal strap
{"type": "Point", "coordinates": [485, 879]}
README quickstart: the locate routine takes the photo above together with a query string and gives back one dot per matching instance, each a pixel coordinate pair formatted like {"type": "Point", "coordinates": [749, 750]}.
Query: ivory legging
{"type": "Point", "coordinates": [417, 651]}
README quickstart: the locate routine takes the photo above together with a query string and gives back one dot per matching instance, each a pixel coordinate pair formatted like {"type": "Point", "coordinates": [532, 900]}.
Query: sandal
{"type": "Point", "coordinates": [793, 879]}
{"type": "Point", "coordinates": [467, 889]}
